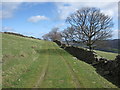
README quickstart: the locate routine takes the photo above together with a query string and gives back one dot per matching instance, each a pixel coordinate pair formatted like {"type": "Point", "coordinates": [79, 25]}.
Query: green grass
{"type": "Point", "coordinates": [29, 63]}
{"type": "Point", "coordinates": [107, 55]}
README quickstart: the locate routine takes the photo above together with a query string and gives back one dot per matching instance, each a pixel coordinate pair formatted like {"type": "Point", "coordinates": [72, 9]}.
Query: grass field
{"type": "Point", "coordinates": [108, 55]}
{"type": "Point", "coordinates": [30, 63]}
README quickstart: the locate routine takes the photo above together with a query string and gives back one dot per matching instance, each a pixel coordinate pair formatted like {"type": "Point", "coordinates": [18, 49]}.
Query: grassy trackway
{"type": "Point", "coordinates": [29, 63]}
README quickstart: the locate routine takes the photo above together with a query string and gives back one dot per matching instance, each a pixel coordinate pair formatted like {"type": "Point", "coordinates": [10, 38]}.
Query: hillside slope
{"type": "Point", "coordinates": [30, 63]}
{"type": "Point", "coordinates": [107, 55]}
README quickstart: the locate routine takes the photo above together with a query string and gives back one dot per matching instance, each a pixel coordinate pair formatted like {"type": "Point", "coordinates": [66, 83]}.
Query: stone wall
{"type": "Point", "coordinates": [79, 53]}
{"type": "Point", "coordinates": [109, 69]}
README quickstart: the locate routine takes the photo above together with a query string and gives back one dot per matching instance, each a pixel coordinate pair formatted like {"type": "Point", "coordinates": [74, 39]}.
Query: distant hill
{"type": "Point", "coordinates": [109, 45]}
{"type": "Point", "coordinates": [103, 45]}
{"type": "Point", "coordinates": [113, 43]}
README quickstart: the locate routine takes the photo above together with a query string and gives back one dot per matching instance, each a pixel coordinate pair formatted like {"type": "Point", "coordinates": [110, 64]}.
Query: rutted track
{"type": "Point", "coordinates": [43, 73]}
{"type": "Point", "coordinates": [74, 76]}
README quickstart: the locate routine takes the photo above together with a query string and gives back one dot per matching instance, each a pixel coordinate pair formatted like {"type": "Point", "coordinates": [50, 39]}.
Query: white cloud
{"type": "Point", "coordinates": [37, 18]}
{"type": "Point", "coordinates": [8, 9]}
{"type": "Point", "coordinates": [108, 8]}
{"type": "Point", "coordinates": [7, 29]}
{"type": "Point", "coordinates": [116, 33]}
{"type": "Point", "coordinates": [60, 25]}
{"type": "Point", "coordinates": [59, 0]}
{"type": "Point", "coordinates": [64, 9]}
{"type": "Point", "coordinates": [108, 12]}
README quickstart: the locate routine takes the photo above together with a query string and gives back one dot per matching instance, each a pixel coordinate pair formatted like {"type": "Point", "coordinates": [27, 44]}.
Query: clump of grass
{"type": "Point", "coordinates": [22, 55]}
{"type": "Point", "coordinates": [33, 47]}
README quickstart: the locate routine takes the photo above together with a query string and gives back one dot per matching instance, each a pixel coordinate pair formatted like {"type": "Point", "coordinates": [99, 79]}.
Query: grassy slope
{"type": "Point", "coordinates": [107, 55]}
{"type": "Point", "coordinates": [29, 63]}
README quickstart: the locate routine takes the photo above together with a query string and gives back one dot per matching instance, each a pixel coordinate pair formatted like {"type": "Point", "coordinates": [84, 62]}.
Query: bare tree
{"type": "Point", "coordinates": [46, 37]}
{"type": "Point", "coordinates": [54, 34]}
{"type": "Point", "coordinates": [65, 36]}
{"type": "Point", "coordinates": [68, 35]}
{"type": "Point", "coordinates": [91, 25]}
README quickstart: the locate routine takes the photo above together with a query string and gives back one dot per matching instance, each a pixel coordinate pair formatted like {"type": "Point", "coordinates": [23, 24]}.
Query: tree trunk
{"type": "Point", "coordinates": [66, 41]}
{"type": "Point", "coordinates": [89, 44]}
{"type": "Point", "coordinates": [90, 48]}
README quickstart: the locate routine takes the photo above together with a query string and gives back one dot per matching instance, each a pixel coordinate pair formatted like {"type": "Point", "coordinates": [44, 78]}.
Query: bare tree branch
{"type": "Point", "coordinates": [91, 25]}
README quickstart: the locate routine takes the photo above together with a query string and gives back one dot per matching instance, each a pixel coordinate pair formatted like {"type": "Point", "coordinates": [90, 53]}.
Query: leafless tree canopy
{"type": "Point", "coordinates": [54, 34]}
{"type": "Point", "coordinates": [90, 25]}
{"type": "Point", "coordinates": [46, 37]}
{"type": "Point", "coordinates": [68, 34]}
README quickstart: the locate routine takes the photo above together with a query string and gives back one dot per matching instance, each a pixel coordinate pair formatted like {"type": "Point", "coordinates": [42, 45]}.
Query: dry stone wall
{"type": "Point", "coordinates": [110, 69]}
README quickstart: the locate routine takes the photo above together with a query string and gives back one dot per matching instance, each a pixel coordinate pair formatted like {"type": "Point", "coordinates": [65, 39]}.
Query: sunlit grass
{"type": "Point", "coordinates": [25, 60]}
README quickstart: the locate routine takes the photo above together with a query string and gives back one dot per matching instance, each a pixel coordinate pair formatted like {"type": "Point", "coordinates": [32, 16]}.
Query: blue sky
{"type": "Point", "coordinates": [37, 18]}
